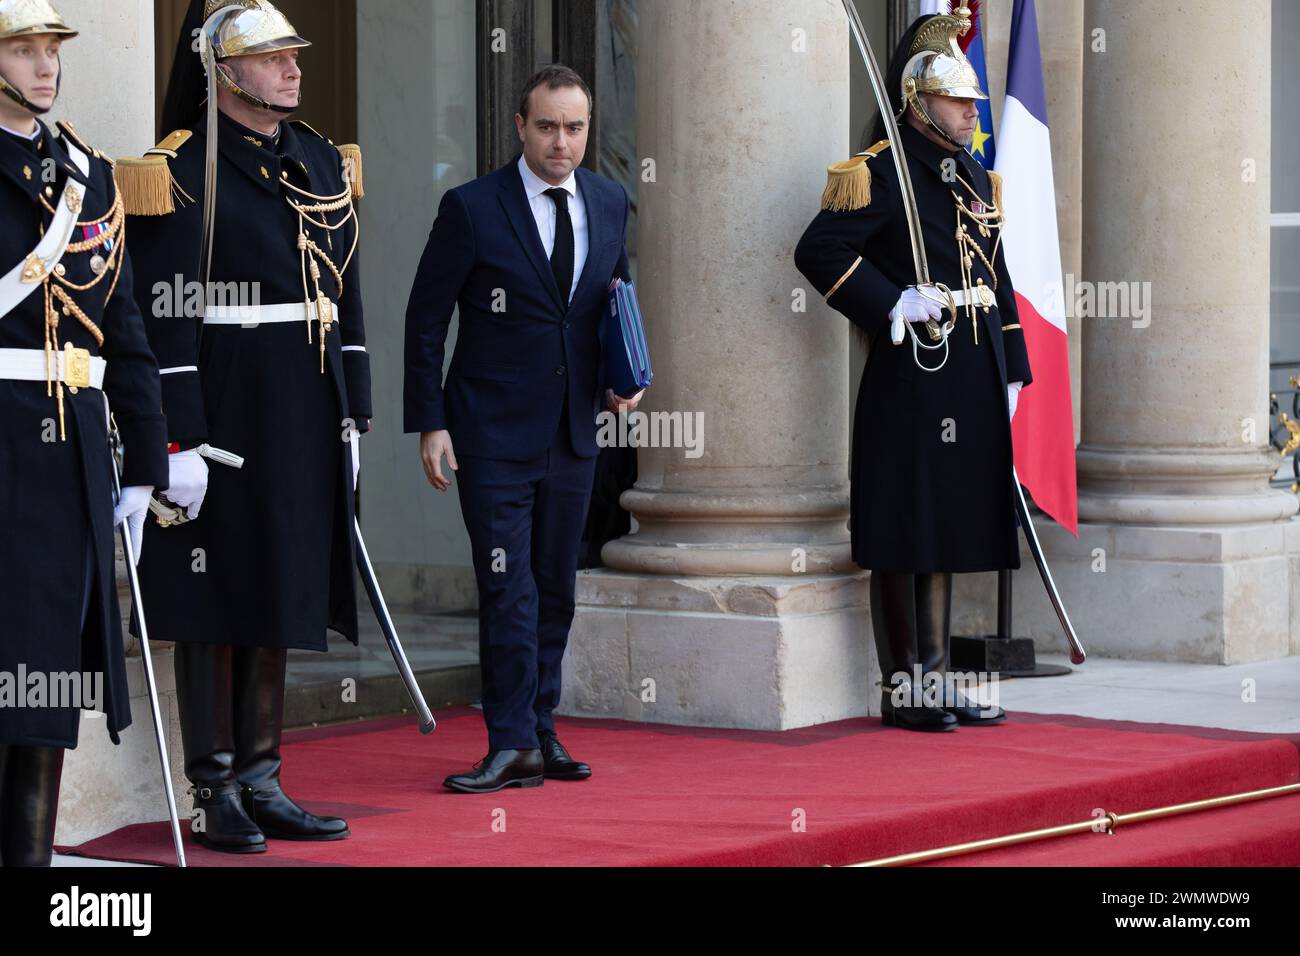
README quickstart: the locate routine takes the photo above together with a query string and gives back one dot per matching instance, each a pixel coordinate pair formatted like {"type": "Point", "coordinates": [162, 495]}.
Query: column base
{"type": "Point", "coordinates": [1199, 594]}
{"type": "Point", "coordinates": [106, 787]}
{"type": "Point", "coordinates": [760, 653]}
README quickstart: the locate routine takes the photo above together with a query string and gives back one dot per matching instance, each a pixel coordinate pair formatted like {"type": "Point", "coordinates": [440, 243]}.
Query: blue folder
{"type": "Point", "coordinates": [627, 357]}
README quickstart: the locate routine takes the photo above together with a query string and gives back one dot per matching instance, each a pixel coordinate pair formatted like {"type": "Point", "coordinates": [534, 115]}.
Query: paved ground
{"type": "Point", "coordinates": [1263, 697]}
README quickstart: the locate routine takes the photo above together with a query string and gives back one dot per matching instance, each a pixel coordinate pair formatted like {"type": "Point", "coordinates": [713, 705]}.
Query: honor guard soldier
{"type": "Point", "coordinates": [70, 335]}
{"type": "Point", "coordinates": [248, 277]}
{"type": "Point", "coordinates": [931, 463]}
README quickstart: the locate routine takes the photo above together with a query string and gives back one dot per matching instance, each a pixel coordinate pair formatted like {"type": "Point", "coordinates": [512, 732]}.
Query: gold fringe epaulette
{"type": "Point", "coordinates": [146, 182]}
{"type": "Point", "coordinates": [353, 169]}
{"type": "Point", "coordinates": [848, 184]}
{"type": "Point", "coordinates": [996, 180]}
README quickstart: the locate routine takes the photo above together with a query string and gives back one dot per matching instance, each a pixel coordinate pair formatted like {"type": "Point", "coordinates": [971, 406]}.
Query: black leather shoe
{"type": "Point", "coordinates": [915, 716]}
{"type": "Point", "coordinates": [559, 765]}
{"type": "Point", "coordinates": [972, 714]}
{"type": "Point", "coordinates": [282, 819]}
{"type": "Point", "coordinates": [501, 769]}
{"type": "Point", "coordinates": [220, 822]}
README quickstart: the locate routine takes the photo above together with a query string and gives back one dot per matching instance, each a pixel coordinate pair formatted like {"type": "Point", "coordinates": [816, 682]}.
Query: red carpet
{"type": "Point", "coordinates": [687, 796]}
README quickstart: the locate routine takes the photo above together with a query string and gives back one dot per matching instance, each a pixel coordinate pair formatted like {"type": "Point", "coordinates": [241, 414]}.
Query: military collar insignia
{"type": "Point", "coordinates": [26, 169]}
{"type": "Point", "coordinates": [256, 162]}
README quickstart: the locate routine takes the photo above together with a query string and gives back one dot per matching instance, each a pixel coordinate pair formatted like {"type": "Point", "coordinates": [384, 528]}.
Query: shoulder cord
{"type": "Point", "coordinates": [311, 255]}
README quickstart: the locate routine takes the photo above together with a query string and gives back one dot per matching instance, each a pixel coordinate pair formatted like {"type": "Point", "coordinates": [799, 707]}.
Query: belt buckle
{"type": "Point", "coordinates": [986, 296]}
{"type": "Point", "coordinates": [76, 367]}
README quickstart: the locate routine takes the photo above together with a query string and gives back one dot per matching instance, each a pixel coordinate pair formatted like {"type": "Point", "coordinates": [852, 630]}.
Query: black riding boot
{"type": "Point", "coordinates": [29, 803]}
{"type": "Point", "coordinates": [934, 614]}
{"type": "Point", "coordinates": [204, 698]}
{"type": "Point", "coordinates": [894, 621]}
{"type": "Point", "coordinates": [259, 718]}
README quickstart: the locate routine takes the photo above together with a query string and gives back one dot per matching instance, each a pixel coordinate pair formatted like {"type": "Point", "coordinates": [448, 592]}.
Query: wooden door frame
{"type": "Point", "coordinates": [502, 75]}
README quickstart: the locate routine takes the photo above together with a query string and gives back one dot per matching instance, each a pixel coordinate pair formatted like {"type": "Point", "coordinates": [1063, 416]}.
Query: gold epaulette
{"type": "Point", "coordinates": [146, 182]}
{"type": "Point", "coordinates": [848, 184]}
{"type": "Point", "coordinates": [996, 180]}
{"type": "Point", "coordinates": [353, 171]}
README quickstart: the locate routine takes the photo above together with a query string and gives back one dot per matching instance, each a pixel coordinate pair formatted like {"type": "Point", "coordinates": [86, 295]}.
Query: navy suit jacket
{"type": "Point", "coordinates": [519, 350]}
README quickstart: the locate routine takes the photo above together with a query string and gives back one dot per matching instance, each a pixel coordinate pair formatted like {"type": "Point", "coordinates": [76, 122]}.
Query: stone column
{"type": "Point", "coordinates": [730, 603]}
{"type": "Point", "coordinates": [1185, 553]}
{"type": "Point", "coordinates": [108, 80]}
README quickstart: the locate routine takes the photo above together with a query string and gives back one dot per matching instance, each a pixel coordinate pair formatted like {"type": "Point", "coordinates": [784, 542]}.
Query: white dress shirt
{"type": "Point", "coordinates": [543, 207]}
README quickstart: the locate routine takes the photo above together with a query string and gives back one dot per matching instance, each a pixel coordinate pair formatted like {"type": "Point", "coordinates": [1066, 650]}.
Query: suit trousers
{"type": "Point", "coordinates": [525, 521]}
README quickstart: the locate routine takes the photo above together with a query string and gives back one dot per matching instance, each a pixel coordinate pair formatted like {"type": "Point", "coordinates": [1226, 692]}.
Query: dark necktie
{"type": "Point", "coordinates": [562, 252]}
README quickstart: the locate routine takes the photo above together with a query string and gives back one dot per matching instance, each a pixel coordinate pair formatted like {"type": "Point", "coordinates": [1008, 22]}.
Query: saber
{"type": "Point", "coordinates": [1077, 654]}
{"type": "Point", "coordinates": [913, 217]}
{"type": "Point", "coordinates": [137, 614]}
{"type": "Point", "coordinates": [913, 214]}
{"type": "Point", "coordinates": [371, 582]}
{"type": "Point", "coordinates": [859, 32]}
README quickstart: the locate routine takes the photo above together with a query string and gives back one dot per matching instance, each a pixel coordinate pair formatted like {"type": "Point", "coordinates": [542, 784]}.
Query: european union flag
{"type": "Point", "coordinates": [981, 146]}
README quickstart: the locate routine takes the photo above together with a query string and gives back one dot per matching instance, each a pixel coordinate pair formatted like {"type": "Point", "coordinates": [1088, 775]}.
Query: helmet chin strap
{"type": "Point", "coordinates": [914, 100]}
{"type": "Point", "coordinates": [256, 101]}
{"type": "Point", "coordinates": [16, 95]}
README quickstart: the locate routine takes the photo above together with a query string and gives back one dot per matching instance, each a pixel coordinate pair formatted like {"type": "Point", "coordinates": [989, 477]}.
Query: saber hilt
{"type": "Point", "coordinates": [166, 511]}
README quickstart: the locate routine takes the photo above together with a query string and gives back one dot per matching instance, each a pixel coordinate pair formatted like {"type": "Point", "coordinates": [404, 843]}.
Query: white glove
{"type": "Point", "coordinates": [912, 306]}
{"type": "Point", "coordinates": [187, 481]}
{"type": "Point", "coordinates": [354, 439]}
{"type": "Point", "coordinates": [133, 506]}
{"type": "Point", "coordinates": [1013, 396]}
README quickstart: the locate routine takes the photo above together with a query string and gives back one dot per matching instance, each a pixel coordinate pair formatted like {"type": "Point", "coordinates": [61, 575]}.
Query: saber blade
{"type": "Point", "coordinates": [371, 582]}
{"type": "Point", "coordinates": [146, 657]}
{"type": "Point", "coordinates": [883, 103]}
{"type": "Point", "coordinates": [1077, 654]}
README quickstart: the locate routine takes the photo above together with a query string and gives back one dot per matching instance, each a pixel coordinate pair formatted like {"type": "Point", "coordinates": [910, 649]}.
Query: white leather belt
{"type": "Point", "coordinates": [980, 295]}
{"type": "Point", "coordinates": [73, 367]}
{"type": "Point", "coordinates": [251, 316]}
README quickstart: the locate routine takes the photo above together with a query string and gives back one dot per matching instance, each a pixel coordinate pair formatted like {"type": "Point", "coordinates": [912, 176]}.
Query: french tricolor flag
{"type": "Point", "coordinates": [1043, 429]}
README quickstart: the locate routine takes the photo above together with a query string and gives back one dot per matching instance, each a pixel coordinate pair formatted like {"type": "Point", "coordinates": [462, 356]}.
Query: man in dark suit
{"type": "Point", "coordinates": [528, 253]}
